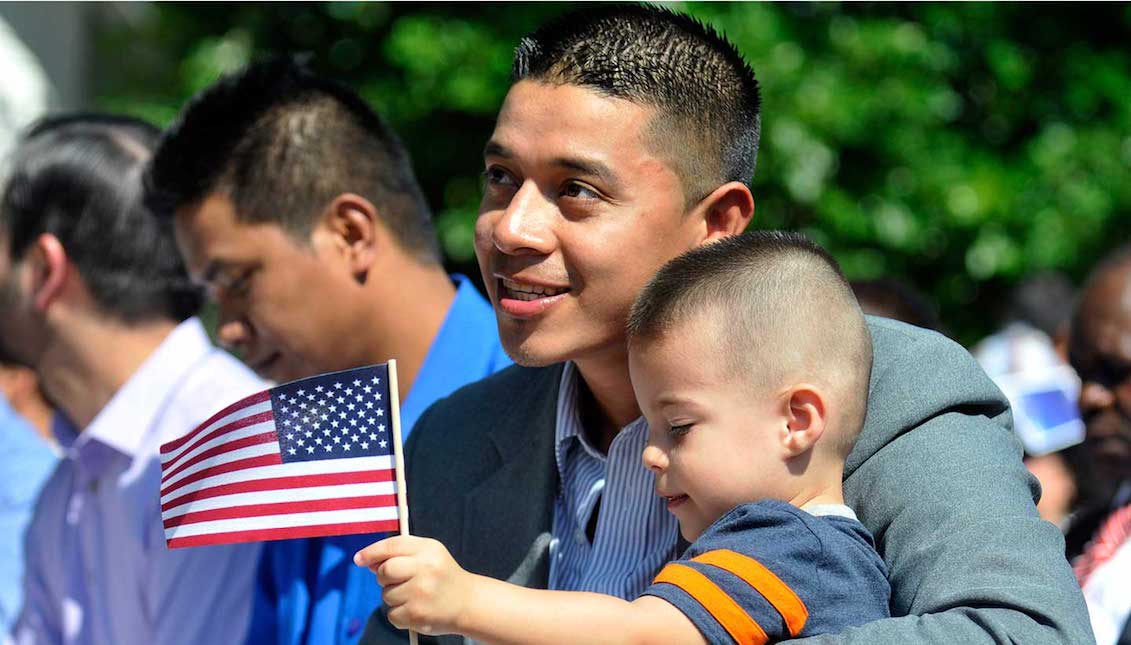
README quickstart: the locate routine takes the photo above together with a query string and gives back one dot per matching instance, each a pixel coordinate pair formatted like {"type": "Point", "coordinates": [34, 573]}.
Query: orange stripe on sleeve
{"type": "Point", "coordinates": [741, 627]}
{"type": "Point", "coordinates": [755, 574]}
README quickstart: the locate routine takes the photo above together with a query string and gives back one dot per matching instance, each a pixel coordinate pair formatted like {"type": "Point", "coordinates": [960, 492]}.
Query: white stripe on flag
{"type": "Point", "coordinates": [371, 514]}
{"type": "Point", "coordinates": [242, 433]}
{"type": "Point", "coordinates": [284, 495]}
{"type": "Point", "coordinates": [242, 413]}
{"type": "Point", "coordinates": [258, 450]}
{"type": "Point", "coordinates": [294, 469]}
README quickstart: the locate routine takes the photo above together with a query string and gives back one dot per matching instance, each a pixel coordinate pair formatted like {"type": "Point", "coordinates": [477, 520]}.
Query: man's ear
{"type": "Point", "coordinates": [49, 270]}
{"type": "Point", "coordinates": [806, 417]}
{"type": "Point", "coordinates": [350, 224]}
{"type": "Point", "coordinates": [727, 211]}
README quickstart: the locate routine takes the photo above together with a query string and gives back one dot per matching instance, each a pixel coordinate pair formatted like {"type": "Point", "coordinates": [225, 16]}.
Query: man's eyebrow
{"type": "Point", "coordinates": [588, 167]}
{"type": "Point", "coordinates": [496, 149]}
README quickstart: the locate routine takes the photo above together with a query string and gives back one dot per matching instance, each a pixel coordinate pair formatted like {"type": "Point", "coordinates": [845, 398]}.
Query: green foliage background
{"type": "Point", "coordinates": [955, 146]}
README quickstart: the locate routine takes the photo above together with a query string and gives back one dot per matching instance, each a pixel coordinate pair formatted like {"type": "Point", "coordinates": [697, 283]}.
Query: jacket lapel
{"type": "Point", "coordinates": [506, 516]}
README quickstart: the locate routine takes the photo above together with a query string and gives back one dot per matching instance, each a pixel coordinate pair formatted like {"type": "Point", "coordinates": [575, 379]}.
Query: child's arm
{"type": "Point", "coordinates": [426, 591]}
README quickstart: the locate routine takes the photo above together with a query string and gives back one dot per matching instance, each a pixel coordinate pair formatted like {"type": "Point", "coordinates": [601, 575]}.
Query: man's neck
{"type": "Point", "coordinates": [402, 316]}
{"type": "Point", "coordinates": [606, 402]}
{"type": "Point", "coordinates": [85, 366]}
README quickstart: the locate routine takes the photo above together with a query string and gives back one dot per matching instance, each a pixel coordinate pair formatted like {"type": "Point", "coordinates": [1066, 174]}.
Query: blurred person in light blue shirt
{"type": "Point", "coordinates": [94, 298]}
{"type": "Point", "coordinates": [25, 463]}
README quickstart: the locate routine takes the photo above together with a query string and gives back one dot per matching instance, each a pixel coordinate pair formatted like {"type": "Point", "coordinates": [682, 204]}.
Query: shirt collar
{"type": "Point", "coordinates": [124, 422]}
{"type": "Point", "coordinates": [568, 427]}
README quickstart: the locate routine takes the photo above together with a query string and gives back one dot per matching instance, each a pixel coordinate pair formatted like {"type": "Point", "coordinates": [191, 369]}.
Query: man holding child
{"type": "Point", "coordinates": [628, 138]}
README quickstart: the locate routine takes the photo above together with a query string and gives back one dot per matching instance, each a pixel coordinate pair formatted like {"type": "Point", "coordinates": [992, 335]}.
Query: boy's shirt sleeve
{"type": "Point", "coordinates": [762, 574]}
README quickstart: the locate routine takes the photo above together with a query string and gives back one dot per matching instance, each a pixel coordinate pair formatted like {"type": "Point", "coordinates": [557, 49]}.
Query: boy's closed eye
{"type": "Point", "coordinates": [680, 430]}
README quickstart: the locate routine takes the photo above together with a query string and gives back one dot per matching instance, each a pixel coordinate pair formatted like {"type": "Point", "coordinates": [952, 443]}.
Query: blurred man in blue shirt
{"type": "Point", "coordinates": [297, 206]}
{"type": "Point", "coordinates": [25, 463]}
{"type": "Point", "coordinates": [94, 298]}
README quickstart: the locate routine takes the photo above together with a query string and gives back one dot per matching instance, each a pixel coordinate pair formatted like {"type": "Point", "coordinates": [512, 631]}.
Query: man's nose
{"type": "Point", "coordinates": [232, 332]}
{"type": "Point", "coordinates": [654, 459]}
{"type": "Point", "coordinates": [526, 226]}
{"type": "Point", "coordinates": [1094, 396]}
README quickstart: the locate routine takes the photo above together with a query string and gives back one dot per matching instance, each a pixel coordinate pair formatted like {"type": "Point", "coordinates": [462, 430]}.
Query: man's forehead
{"type": "Point", "coordinates": [569, 118]}
{"type": "Point", "coordinates": [576, 129]}
{"type": "Point", "coordinates": [211, 237]}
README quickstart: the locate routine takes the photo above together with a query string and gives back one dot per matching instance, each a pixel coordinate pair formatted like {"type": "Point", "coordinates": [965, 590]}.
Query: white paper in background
{"type": "Point", "coordinates": [24, 91]}
{"type": "Point", "coordinates": [1045, 412]}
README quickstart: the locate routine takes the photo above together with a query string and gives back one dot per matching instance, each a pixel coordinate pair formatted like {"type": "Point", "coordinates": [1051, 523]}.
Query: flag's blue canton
{"type": "Point", "coordinates": [334, 416]}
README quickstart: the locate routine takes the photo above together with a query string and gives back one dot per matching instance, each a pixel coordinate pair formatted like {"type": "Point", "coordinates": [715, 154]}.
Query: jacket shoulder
{"type": "Point", "coordinates": [918, 375]}
{"type": "Point", "coordinates": [469, 432]}
{"type": "Point", "coordinates": [486, 401]}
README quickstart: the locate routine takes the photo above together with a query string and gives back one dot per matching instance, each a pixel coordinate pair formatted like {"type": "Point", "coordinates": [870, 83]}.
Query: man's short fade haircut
{"type": "Point", "coordinates": [79, 178]}
{"type": "Point", "coordinates": [705, 93]}
{"type": "Point", "coordinates": [780, 308]}
{"type": "Point", "coordinates": [282, 142]}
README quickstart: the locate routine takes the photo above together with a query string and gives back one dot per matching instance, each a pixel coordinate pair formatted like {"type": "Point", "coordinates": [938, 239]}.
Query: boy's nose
{"type": "Point", "coordinates": [654, 458]}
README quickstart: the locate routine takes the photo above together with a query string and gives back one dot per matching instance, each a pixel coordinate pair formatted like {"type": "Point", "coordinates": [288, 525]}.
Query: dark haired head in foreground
{"type": "Point", "coordinates": [629, 136]}
{"type": "Point", "coordinates": [297, 206]}
{"type": "Point", "coordinates": [73, 201]}
{"type": "Point", "coordinates": [706, 100]}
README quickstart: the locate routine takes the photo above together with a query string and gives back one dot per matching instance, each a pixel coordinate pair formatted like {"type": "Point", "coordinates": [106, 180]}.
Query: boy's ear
{"type": "Point", "coordinates": [726, 211]}
{"type": "Point", "coordinates": [350, 225]}
{"type": "Point", "coordinates": [49, 268]}
{"type": "Point", "coordinates": [806, 416]}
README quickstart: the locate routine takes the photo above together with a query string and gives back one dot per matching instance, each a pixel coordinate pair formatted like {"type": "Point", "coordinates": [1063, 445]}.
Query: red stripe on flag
{"type": "Point", "coordinates": [240, 464]}
{"type": "Point", "coordinates": [254, 440]}
{"type": "Point", "coordinates": [283, 508]}
{"type": "Point", "coordinates": [321, 530]}
{"type": "Point", "coordinates": [281, 483]}
{"type": "Point", "coordinates": [242, 403]}
{"type": "Point", "coordinates": [221, 431]}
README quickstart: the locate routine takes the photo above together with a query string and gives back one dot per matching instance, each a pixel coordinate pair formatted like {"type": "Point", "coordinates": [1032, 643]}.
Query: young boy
{"type": "Point", "coordinates": [750, 359]}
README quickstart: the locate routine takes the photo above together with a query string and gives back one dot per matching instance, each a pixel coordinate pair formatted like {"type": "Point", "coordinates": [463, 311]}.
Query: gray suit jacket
{"type": "Point", "coordinates": [936, 476]}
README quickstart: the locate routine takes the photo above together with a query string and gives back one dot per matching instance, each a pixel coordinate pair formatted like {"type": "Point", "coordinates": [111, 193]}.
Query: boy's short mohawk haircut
{"type": "Point", "coordinates": [705, 91]}
{"type": "Point", "coordinates": [281, 142]}
{"type": "Point", "coordinates": [778, 305]}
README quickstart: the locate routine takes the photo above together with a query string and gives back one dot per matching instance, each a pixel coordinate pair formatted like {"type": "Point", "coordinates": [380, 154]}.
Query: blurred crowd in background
{"type": "Point", "coordinates": [996, 184]}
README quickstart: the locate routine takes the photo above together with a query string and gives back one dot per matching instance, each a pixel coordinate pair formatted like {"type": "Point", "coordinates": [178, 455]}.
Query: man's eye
{"type": "Point", "coordinates": [680, 430]}
{"type": "Point", "coordinates": [233, 287]}
{"type": "Point", "coordinates": [495, 176]}
{"type": "Point", "coordinates": [579, 191]}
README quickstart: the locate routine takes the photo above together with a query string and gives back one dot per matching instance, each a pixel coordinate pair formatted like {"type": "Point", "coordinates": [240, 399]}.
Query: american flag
{"type": "Point", "coordinates": [309, 458]}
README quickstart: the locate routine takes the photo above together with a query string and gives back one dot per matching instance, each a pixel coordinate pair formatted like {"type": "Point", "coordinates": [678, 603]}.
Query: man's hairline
{"type": "Point", "coordinates": [651, 133]}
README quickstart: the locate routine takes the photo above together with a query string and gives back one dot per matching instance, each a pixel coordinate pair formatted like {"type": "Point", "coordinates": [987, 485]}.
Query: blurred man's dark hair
{"type": "Point", "coordinates": [282, 143]}
{"type": "Point", "coordinates": [1044, 300]}
{"type": "Point", "coordinates": [705, 94]}
{"type": "Point", "coordinates": [78, 178]}
{"type": "Point", "coordinates": [891, 298]}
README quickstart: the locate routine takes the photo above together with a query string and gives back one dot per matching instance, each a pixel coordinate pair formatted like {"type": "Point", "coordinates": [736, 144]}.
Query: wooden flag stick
{"type": "Point", "coordinates": [398, 460]}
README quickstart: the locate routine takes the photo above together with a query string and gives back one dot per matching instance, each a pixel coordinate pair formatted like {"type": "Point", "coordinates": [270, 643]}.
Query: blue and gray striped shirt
{"type": "Point", "coordinates": [635, 535]}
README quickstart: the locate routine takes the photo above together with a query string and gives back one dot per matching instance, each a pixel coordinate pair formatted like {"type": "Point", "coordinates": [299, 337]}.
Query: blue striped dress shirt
{"type": "Point", "coordinates": [635, 535]}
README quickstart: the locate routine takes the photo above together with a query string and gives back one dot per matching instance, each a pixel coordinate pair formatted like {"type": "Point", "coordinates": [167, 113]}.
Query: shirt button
{"type": "Point", "coordinates": [353, 627]}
